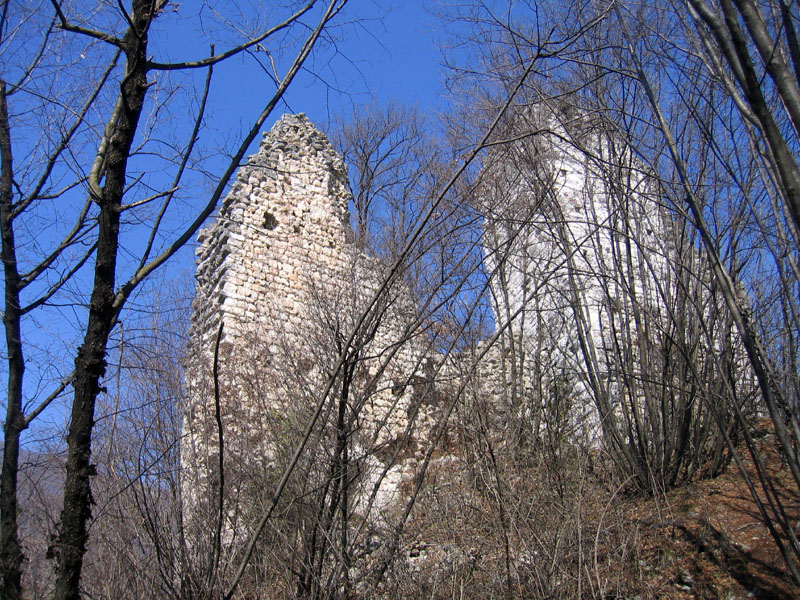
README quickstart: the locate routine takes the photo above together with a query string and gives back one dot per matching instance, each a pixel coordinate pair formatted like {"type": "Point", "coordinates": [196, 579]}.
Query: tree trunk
{"type": "Point", "coordinates": [90, 361]}
{"type": "Point", "coordinates": [10, 552]}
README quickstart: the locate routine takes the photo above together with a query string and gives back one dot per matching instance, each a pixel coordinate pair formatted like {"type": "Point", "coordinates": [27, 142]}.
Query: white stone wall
{"type": "Point", "coordinates": [278, 269]}
{"type": "Point", "coordinates": [573, 241]}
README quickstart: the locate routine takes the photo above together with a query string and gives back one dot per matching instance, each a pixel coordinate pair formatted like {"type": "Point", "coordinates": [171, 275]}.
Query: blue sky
{"type": "Point", "coordinates": [394, 56]}
{"type": "Point", "coordinates": [386, 51]}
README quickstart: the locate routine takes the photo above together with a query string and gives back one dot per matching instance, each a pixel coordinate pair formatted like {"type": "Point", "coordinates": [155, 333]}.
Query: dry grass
{"type": "Point", "coordinates": [587, 539]}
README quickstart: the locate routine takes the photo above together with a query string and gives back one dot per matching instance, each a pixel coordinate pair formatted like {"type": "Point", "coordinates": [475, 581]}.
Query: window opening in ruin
{"type": "Point", "coordinates": [270, 222]}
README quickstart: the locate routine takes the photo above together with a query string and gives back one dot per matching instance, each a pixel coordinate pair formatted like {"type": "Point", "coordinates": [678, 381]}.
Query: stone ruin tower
{"type": "Point", "coordinates": [279, 276]}
{"type": "Point", "coordinates": [574, 255]}
{"type": "Point", "coordinates": [285, 221]}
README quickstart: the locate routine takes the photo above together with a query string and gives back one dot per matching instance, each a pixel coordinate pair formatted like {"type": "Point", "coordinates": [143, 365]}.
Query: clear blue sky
{"type": "Point", "coordinates": [394, 56]}
{"type": "Point", "coordinates": [386, 51]}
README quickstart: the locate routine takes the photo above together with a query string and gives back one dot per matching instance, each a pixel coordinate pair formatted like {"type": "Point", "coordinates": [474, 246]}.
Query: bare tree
{"type": "Point", "coordinates": [100, 157]}
{"type": "Point", "coordinates": [701, 93]}
{"type": "Point", "coordinates": [391, 155]}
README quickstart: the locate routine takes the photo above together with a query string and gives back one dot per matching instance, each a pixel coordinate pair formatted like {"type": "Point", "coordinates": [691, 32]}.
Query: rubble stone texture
{"type": "Point", "coordinates": [278, 272]}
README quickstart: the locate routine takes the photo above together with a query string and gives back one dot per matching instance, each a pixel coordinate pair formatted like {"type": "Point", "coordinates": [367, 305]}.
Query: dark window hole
{"type": "Point", "coordinates": [270, 222]}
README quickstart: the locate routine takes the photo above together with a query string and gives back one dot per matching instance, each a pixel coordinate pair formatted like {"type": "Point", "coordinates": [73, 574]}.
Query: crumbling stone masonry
{"type": "Point", "coordinates": [281, 283]}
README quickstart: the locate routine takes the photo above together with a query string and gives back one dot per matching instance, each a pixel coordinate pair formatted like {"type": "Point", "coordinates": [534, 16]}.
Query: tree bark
{"type": "Point", "coordinates": [11, 556]}
{"type": "Point", "coordinates": [90, 361]}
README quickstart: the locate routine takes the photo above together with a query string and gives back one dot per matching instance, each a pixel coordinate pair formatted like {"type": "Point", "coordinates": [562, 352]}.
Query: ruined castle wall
{"type": "Point", "coordinates": [278, 270]}
{"type": "Point", "coordinates": [282, 228]}
{"type": "Point", "coordinates": [569, 251]}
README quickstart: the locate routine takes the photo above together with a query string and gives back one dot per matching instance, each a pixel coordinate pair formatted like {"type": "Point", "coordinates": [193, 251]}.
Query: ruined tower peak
{"type": "Point", "coordinates": [294, 136]}
{"type": "Point", "coordinates": [283, 225]}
